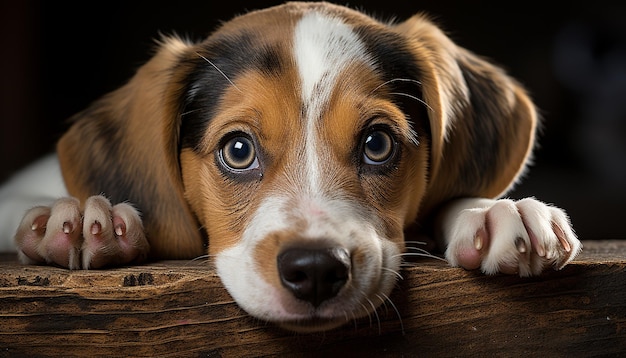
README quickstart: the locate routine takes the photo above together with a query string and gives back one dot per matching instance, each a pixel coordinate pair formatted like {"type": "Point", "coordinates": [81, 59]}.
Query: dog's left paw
{"type": "Point", "coordinates": [516, 237]}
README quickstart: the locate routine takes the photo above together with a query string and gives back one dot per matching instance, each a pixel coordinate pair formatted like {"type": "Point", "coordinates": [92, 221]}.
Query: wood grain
{"type": "Point", "coordinates": [179, 308]}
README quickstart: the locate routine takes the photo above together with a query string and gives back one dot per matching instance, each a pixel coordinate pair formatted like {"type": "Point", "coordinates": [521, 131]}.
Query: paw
{"type": "Point", "coordinates": [100, 235]}
{"type": "Point", "coordinates": [522, 237]}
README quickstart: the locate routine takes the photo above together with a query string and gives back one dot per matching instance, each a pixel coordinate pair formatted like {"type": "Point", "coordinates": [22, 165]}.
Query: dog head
{"type": "Point", "coordinates": [302, 140]}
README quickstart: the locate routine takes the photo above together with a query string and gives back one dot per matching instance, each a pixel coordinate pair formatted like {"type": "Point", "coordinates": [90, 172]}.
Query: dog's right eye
{"type": "Point", "coordinates": [378, 147]}
{"type": "Point", "coordinates": [238, 154]}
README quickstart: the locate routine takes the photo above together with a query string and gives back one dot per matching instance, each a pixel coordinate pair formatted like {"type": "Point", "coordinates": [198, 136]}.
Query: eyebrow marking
{"type": "Point", "coordinates": [220, 71]}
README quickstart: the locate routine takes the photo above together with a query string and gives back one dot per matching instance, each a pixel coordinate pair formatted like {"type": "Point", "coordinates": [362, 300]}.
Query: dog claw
{"type": "Point", "coordinates": [538, 246]}
{"type": "Point", "coordinates": [562, 237]}
{"type": "Point", "coordinates": [67, 227]}
{"type": "Point", "coordinates": [119, 230]}
{"type": "Point", "coordinates": [96, 228]}
{"type": "Point", "coordinates": [478, 242]}
{"type": "Point", "coordinates": [119, 224]}
{"type": "Point", "coordinates": [520, 244]}
{"type": "Point", "coordinates": [481, 239]}
{"type": "Point", "coordinates": [39, 224]}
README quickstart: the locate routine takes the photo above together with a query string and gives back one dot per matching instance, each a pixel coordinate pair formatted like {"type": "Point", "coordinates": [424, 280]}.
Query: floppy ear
{"type": "Point", "coordinates": [125, 146]}
{"type": "Point", "coordinates": [482, 122]}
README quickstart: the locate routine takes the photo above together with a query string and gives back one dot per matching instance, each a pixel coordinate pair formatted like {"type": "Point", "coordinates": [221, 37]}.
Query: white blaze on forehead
{"type": "Point", "coordinates": [323, 47]}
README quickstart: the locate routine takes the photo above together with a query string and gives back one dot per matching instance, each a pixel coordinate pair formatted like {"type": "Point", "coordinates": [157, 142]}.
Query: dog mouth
{"type": "Point", "coordinates": [312, 324]}
{"type": "Point", "coordinates": [319, 287]}
{"type": "Point", "coordinates": [332, 314]}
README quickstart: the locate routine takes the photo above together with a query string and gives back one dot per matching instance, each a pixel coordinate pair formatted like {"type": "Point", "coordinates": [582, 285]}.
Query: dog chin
{"type": "Point", "coordinates": [312, 325]}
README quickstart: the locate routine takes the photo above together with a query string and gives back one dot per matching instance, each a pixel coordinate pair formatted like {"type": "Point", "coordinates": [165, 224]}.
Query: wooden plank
{"type": "Point", "coordinates": [179, 308]}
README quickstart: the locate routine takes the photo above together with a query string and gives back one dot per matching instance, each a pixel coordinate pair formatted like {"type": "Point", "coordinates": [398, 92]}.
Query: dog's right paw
{"type": "Point", "coordinates": [98, 235]}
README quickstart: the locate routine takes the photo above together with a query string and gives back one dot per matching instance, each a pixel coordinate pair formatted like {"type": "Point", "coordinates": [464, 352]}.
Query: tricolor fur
{"type": "Point", "coordinates": [303, 132]}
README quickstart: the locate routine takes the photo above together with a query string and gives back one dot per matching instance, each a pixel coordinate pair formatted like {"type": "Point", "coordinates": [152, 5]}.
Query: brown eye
{"type": "Point", "coordinates": [239, 154]}
{"type": "Point", "coordinates": [378, 147]}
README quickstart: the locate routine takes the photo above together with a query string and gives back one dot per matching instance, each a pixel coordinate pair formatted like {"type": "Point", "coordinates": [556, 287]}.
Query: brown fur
{"type": "Point", "coordinates": [125, 145]}
{"type": "Point", "coordinates": [470, 100]}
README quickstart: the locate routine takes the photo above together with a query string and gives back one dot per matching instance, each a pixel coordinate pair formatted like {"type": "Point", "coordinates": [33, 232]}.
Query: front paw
{"type": "Point", "coordinates": [100, 235]}
{"type": "Point", "coordinates": [522, 237]}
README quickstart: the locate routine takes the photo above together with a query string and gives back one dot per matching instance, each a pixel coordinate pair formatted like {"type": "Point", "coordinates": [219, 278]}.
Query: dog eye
{"type": "Point", "coordinates": [238, 153]}
{"type": "Point", "coordinates": [378, 147]}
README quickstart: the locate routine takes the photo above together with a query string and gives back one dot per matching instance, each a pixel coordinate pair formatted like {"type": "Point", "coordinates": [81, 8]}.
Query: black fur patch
{"type": "Point", "coordinates": [486, 134]}
{"type": "Point", "coordinates": [106, 136]}
{"type": "Point", "coordinates": [220, 60]}
{"type": "Point", "coordinates": [399, 68]}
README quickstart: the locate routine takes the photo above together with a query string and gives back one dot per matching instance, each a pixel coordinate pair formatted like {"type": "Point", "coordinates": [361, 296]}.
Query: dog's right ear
{"type": "Point", "coordinates": [126, 145]}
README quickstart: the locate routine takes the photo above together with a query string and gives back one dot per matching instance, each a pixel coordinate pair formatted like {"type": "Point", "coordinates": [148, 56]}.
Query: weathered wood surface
{"type": "Point", "coordinates": [177, 308]}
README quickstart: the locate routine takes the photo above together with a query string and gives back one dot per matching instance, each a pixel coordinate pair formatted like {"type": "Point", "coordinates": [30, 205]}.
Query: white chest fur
{"type": "Point", "coordinates": [39, 184]}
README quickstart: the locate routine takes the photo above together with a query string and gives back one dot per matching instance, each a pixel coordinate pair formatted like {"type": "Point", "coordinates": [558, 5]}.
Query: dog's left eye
{"type": "Point", "coordinates": [238, 154]}
{"type": "Point", "coordinates": [378, 147]}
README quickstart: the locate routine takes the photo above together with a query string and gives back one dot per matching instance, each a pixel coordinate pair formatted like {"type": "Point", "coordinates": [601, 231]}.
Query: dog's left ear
{"type": "Point", "coordinates": [125, 146]}
{"type": "Point", "coordinates": [482, 121]}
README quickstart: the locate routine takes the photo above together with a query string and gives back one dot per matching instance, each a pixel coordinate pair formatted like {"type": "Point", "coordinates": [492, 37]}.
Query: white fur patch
{"type": "Point", "coordinates": [39, 184]}
{"type": "Point", "coordinates": [527, 224]}
{"type": "Point", "coordinates": [340, 224]}
{"type": "Point", "coordinates": [237, 267]}
{"type": "Point", "coordinates": [323, 48]}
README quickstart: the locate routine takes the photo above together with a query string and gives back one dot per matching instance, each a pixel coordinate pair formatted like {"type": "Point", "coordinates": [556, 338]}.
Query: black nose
{"type": "Point", "coordinates": [314, 275]}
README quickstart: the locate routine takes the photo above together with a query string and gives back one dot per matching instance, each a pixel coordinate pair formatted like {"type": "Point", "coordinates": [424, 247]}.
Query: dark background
{"type": "Point", "coordinates": [58, 56]}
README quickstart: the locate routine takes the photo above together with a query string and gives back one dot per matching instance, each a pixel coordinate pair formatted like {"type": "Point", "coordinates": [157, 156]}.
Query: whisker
{"type": "Point", "coordinates": [369, 314]}
{"type": "Point", "coordinates": [376, 315]}
{"type": "Point", "coordinates": [416, 242]}
{"type": "Point", "coordinates": [355, 321]}
{"type": "Point", "coordinates": [413, 137]}
{"type": "Point", "coordinates": [198, 259]}
{"type": "Point", "coordinates": [415, 98]}
{"type": "Point", "coordinates": [387, 299]}
{"type": "Point", "coordinates": [418, 249]}
{"type": "Point", "coordinates": [382, 304]}
{"type": "Point", "coordinates": [190, 112]}
{"type": "Point", "coordinates": [421, 254]}
{"type": "Point", "coordinates": [368, 311]}
{"type": "Point", "coordinates": [396, 80]}
{"type": "Point", "coordinates": [394, 272]}
{"type": "Point", "coordinates": [220, 71]}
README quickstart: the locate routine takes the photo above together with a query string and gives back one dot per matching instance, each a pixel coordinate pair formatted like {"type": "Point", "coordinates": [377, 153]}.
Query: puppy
{"type": "Point", "coordinates": [296, 145]}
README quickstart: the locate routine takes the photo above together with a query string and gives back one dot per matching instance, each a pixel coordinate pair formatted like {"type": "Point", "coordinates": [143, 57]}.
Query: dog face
{"type": "Point", "coordinates": [302, 140]}
{"type": "Point", "coordinates": [303, 161]}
